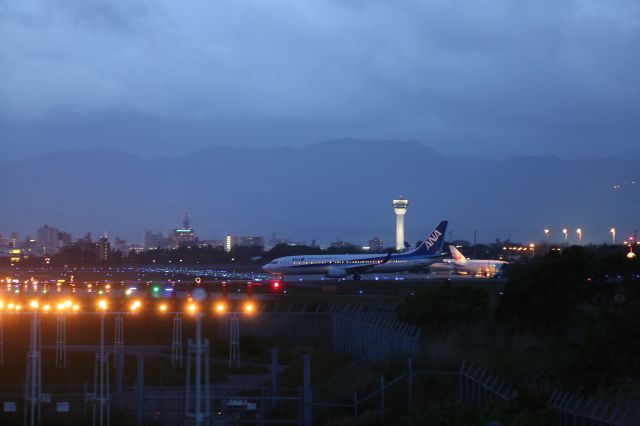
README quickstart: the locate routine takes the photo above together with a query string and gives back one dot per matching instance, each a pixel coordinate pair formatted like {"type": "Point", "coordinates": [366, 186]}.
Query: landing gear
{"type": "Point", "coordinates": [356, 277]}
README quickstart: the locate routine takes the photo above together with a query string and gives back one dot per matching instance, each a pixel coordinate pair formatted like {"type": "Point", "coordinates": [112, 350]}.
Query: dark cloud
{"type": "Point", "coordinates": [494, 78]}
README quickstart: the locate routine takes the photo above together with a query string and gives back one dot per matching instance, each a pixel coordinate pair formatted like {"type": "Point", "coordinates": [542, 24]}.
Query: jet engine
{"type": "Point", "coordinates": [336, 273]}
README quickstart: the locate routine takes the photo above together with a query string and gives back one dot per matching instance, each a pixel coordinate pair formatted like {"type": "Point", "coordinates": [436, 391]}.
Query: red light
{"type": "Point", "coordinates": [276, 284]}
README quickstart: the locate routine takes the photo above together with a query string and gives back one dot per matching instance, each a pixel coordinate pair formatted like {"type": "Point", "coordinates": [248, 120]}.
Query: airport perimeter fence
{"type": "Point", "coordinates": [571, 409]}
{"type": "Point", "coordinates": [478, 386]}
{"type": "Point", "coordinates": [358, 332]}
{"type": "Point", "coordinates": [374, 337]}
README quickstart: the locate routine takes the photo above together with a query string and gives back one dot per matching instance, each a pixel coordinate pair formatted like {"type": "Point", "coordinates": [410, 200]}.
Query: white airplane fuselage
{"type": "Point", "coordinates": [332, 265]}
{"type": "Point", "coordinates": [340, 266]}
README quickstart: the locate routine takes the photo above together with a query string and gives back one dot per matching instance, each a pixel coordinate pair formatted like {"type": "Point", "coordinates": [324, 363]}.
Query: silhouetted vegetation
{"type": "Point", "coordinates": [568, 320]}
{"type": "Point", "coordinates": [445, 305]}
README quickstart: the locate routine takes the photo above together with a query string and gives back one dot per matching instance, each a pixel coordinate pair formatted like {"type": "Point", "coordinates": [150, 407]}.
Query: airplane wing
{"type": "Point", "coordinates": [366, 268]}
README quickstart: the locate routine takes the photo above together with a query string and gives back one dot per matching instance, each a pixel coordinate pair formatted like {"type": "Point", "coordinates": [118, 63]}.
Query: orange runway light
{"type": "Point", "coordinates": [249, 307]}
{"type": "Point", "coordinates": [220, 307]}
{"type": "Point", "coordinates": [102, 304]}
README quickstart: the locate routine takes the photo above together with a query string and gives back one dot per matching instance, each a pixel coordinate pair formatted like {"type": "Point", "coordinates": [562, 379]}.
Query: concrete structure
{"type": "Point", "coordinates": [400, 208]}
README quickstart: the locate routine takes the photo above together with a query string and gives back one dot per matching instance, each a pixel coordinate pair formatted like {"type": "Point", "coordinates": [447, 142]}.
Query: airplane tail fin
{"type": "Point", "coordinates": [457, 256]}
{"type": "Point", "coordinates": [432, 245]}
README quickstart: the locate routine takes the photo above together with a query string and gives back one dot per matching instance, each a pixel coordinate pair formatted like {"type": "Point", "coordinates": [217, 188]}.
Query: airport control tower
{"type": "Point", "coordinates": [400, 207]}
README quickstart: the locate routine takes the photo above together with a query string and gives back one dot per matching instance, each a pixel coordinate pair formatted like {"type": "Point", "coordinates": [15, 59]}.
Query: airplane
{"type": "Point", "coordinates": [459, 264]}
{"type": "Point", "coordinates": [341, 266]}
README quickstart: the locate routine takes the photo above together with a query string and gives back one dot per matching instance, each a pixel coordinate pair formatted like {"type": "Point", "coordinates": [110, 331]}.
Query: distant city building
{"type": "Point", "coordinates": [5, 246]}
{"type": "Point", "coordinates": [136, 248]}
{"type": "Point", "coordinates": [376, 245]}
{"type": "Point", "coordinates": [184, 237]}
{"type": "Point", "coordinates": [400, 208]}
{"type": "Point", "coordinates": [232, 241]}
{"type": "Point", "coordinates": [121, 246]}
{"type": "Point", "coordinates": [86, 239]}
{"type": "Point", "coordinates": [154, 241]}
{"type": "Point", "coordinates": [103, 248]}
{"type": "Point", "coordinates": [48, 239]}
{"type": "Point", "coordinates": [213, 243]}
{"type": "Point", "coordinates": [29, 247]}
{"type": "Point", "coordinates": [340, 244]}
{"type": "Point", "coordinates": [272, 242]}
{"type": "Point", "coordinates": [64, 238]}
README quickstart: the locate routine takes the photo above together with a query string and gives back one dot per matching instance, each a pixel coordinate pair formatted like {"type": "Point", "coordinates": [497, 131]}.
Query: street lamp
{"type": "Point", "coordinates": [613, 235]}
{"type": "Point", "coordinates": [579, 232]}
{"type": "Point", "coordinates": [565, 231]}
{"type": "Point", "coordinates": [547, 233]}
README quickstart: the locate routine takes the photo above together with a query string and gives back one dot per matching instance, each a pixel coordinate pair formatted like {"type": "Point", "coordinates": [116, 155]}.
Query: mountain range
{"type": "Point", "coordinates": [338, 189]}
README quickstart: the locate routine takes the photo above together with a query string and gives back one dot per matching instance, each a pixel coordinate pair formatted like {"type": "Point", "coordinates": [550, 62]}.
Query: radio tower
{"type": "Point", "coordinates": [400, 207]}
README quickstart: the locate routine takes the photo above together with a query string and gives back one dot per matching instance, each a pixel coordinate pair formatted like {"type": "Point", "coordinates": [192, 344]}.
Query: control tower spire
{"type": "Point", "coordinates": [400, 207]}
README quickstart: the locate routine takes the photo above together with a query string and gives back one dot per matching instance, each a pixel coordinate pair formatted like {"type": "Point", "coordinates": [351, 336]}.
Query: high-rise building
{"type": "Point", "coordinates": [64, 238]}
{"type": "Point", "coordinates": [154, 241]}
{"type": "Point", "coordinates": [232, 241]}
{"type": "Point", "coordinates": [103, 248]}
{"type": "Point", "coordinates": [184, 237]}
{"type": "Point", "coordinates": [48, 239]}
{"type": "Point", "coordinates": [400, 208]}
{"type": "Point", "coordinates": [121, 246]}
{"type": "Point", "coordinates": [376, 245]}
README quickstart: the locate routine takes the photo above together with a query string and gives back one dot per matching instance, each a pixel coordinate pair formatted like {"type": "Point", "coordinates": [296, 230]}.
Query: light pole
{"type": "Point", "coordinates": [579, 232]}
{"type": "Point", "coordinates": [565, 231]}
{"type": "Point", "coordinates": [547, 238]}
{"type": "Point", "coordinates": [613, 236]}
{"type": "Point", "coordinates": [200, 353]}
{"type": "Point", "coordinates": [101, 376]}
{"type": "Point", "coordinates": [33, 386]}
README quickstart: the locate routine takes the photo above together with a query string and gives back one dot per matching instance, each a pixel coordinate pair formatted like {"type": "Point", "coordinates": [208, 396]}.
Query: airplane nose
{"type": "Point", "coordinates": [267, 267]}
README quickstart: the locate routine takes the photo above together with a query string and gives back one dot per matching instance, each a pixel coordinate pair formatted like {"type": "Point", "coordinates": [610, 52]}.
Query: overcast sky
{"type": "Point", "coordinates": [492, 78]}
